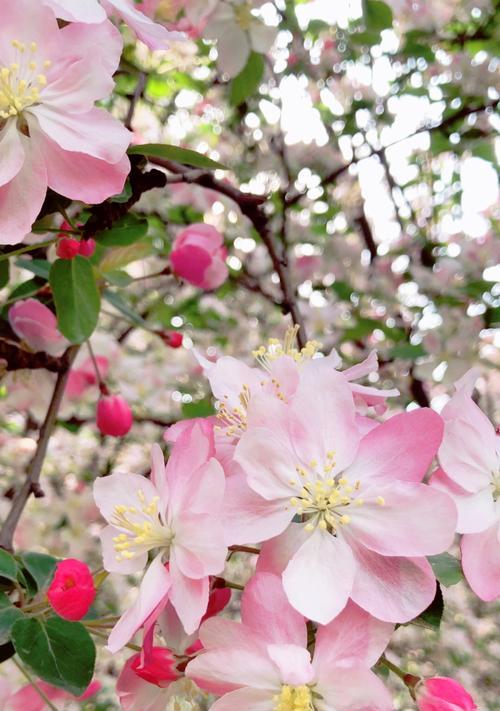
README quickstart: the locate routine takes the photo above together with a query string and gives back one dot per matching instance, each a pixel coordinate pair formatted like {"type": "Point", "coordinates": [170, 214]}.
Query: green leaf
{"type": "Point", "coordinates": [121, 256]}
{"type": "Point", "coordinates": [179, 155]}
{"type": "Point", "coordinates": [8, 616]}
{"type": "Point", "coordinates": [76, 297]}
{"type": "Point", "coordinates": [40, 566]}
{"type": "Point", "coordinates": [8, 566]}
{"type": "Point", "coordinates": [247, 81]}
{"type": "Point", "coordinates": [59, 652]}
{"type": "Point", "coordinates": [202, 408]}
{"type": "Point", "coordinates": [447, 569]}
{"type": "Point", "coordinates": [431, 617]}
{"type": "Point", "coordinates": [4, 273]}
{"type": "Point", "coordinates": [378, 15]}
{"type": "Point", "coordinates": [126, 231]}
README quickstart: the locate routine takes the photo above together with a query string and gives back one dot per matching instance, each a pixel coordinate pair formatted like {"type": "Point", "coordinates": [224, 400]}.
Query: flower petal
{"type": "Point", "coordinates": [319, 577]}
{"type": "Point", "coordinates": [481, 562]}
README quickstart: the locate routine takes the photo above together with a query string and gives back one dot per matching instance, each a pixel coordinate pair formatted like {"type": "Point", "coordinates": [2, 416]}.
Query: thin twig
{"type": "Point", "coordinates": [31, 484]}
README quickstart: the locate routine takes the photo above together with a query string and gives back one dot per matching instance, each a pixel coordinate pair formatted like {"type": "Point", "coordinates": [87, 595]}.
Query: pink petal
{"type": "Point", "coordinates": [199, 545]}
{"type": "Point", "coordinates": [245, 700]}
{"type": "Point", "coordinates": [353, 637]}
{"type": "Point", "coordinates": [117, 489]}
{"type": "Point", "coordinates": [22, 198]}
{"type": "Point", "coordinates": [354, 689]}
{"type": "Point", "coordinates": [249, 518]}
{"type": "Point", "coordinates": [476, 512]}
{"type": "Point", "coordinates": [468, 454]}
{"type": "Point", "coordinates": [481, 562]}
{"type": "Point", "coordinates": [276, 553]}
{"type": "Point", "coordinates": [109, 554]}
{"type": "Point", "coordinates": [189, 597]}
{"type": "Point", "coordinates": [266, 610]}
{"type": "Point", "coordinates": [231, 667]}
{"type": "Point", "coordinates": [154, 590]}
{"type": "Point", "coordinates": [154, 35]}
{"type": "Point", "coordinates": [414, 520]}
{"type": "Point", "coordinates": [392, 589]}
{"type": "Point", "coordinates": [95, 133]}
{"type": "Point", "coordinates": [90, 11]}
{"type": "Point", "coordinates": [158, 476]}
{"type": "Point", "coordinates": [319, 577]}
{"type": "Point", "coordinates": [293, 663]}
{"type": "Point", "coordinates": [11, 150]}
{"type": "Point", "coordinates": [79, 176]}
{"type": "Point", "coordinates": [402, 448]}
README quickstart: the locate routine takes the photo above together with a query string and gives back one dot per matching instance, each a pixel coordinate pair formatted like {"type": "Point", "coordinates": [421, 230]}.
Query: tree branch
{"type": "Point", "coordinates": [32, 485]}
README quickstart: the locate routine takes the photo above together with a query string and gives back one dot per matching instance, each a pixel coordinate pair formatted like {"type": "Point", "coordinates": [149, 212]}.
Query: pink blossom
{"type": "Point", "coordinates": [198, 256]}
{"type": "Point", "coordinates": [154, 35]}
{"type": "Point", "coordinates": [177, 513]}
{"type": "Point", "coordinates": [114, 416]}
{"type": "Point", "coordinates": [470, 474]}
{"type": "Point", "coordinates": [263, 662]}
{"type": "Point", "coordinates": [51, 134]}
{"type": "Point", "coordinates": [36, 325]}
{"type": "Point", "coordinates": [443, 694]}
{"type": "Point", "coordinates": [87, 247]}
{"type": "Point", "coordinates": [28, 699]}
{"type": "Point", "coordinates": [72, 590]}
{"type": "Point", "coordinates": [367, 520]}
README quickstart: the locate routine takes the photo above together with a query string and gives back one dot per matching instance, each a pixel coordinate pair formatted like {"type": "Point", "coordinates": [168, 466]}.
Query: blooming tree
{"type": "Point", "coordinates": [249, 290]}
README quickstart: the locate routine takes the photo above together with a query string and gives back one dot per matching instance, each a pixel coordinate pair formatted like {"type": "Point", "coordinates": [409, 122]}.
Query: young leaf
{"type": "Point", "coordinates": [59, 652]}
{"type": "Point", "coordinates": [76, 297]}
{"type": "Point", "coordinates": [40, 566]}
{"type": "Point", "coordinates": [8, 566]}
{"type": "Point", "coordinates": [248, 80]}
{"type": "Point", "coordinates": [8, 615]}
{"type": "Point", "coordinates": [431, 617]}
{"type": "Point", "coordinates": [378, 15]}
{"type": "Point", "coordinates": [179, 155]}
{"type": "Point", "coordinates": [447, 569]}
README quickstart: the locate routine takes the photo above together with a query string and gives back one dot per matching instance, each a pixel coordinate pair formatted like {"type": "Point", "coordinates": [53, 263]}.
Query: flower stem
{"type": "Point", "coordinates": [27, 248]}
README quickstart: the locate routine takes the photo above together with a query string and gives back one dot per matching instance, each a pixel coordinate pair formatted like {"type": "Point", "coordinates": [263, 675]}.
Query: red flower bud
{"type": "Point", "coordinates": [172, 338]}
{"type": "Point", "coordinates": [72, 590]}
{"type": "Point", "coordinates": [67, 248]}
{"type": "Point", "coordinates": [157, 666]}
{"type": "Point", "coordinates": [114, 416]}
{"type": "Point", "coordinates": [443, 694]}
{"type": "Point", "coordinates": [87, 247]}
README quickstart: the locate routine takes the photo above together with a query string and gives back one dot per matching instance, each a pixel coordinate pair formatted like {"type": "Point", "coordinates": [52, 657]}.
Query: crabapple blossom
{"type": "Point", "coordinates": [366, 520]}
{"type": "Point", "coordinates": [470, 474]}
{"type": "Point", "coordinates": [263, 662]}
{"type": "Point", "coordinates": [443, 694]}
{"type": "Point", "coordinates": [51, 134]}
{"type": "Point", "coordinates": [72, 590]}
{"type": "Point", "coordinates": [36, 325]}
{"type": "Point", "coordinates": [176, 513]}
{"type": "Point", "coordinates": [198, 256]}
{"type": "Point", "coordinates": [29, 699]}
{"type": "Point", "coordinates": [153, 34]}
{"type": "Point", "coordinates": [114, 416]}
{"type": "Point", "coordinates": [238, 32]}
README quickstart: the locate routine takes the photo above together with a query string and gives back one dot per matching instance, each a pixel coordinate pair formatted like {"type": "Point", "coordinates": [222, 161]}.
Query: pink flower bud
{"type": "Point", "coordinates": [443, 694]}
{"type": "Point", "coordinates": [36, 325]}
{"type": "Point", "coordinates": [67, 248]}
{"type": "Point", "coordinates": [157, 667]}
{"type": "Point", "coordinates": [87, 247]}
{"type": "Point", "coordinates": [198, 256]}
{"type": "Point", "coordinates": [114, 416]}
{"type": "Point", "coordinates": [72, 590]}
{"type": "Point", "coordinates": [173, 339]}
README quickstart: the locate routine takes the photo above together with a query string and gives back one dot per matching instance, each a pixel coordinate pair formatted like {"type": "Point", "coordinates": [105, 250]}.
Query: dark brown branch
{"type": "Point", "coordinates": [32, 482]}
{"type": "Point", "coordinates": [19, 359]}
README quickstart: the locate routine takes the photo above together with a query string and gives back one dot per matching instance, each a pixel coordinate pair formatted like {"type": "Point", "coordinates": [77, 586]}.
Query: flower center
{"type": "Point", "coordinates": [275, 349]}
{"type": "Point", "coordinates": [293, 698]}
{"type": "Point", "coordinates": [325, 502]}
{"type": "Point", "coordinates": [495, 483]}
{"type": "Point", "coordinates": [142, 528]}
{"type": "Point", "coordinates": [244, 17]}
{"type": "Point", "coordinates": [22, 80]}
{"type": "Point", "coordinates": [234, 420]}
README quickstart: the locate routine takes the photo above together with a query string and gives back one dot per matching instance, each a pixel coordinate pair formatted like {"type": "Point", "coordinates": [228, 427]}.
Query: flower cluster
{"type": "Point", "coordinates": [298, 462]}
